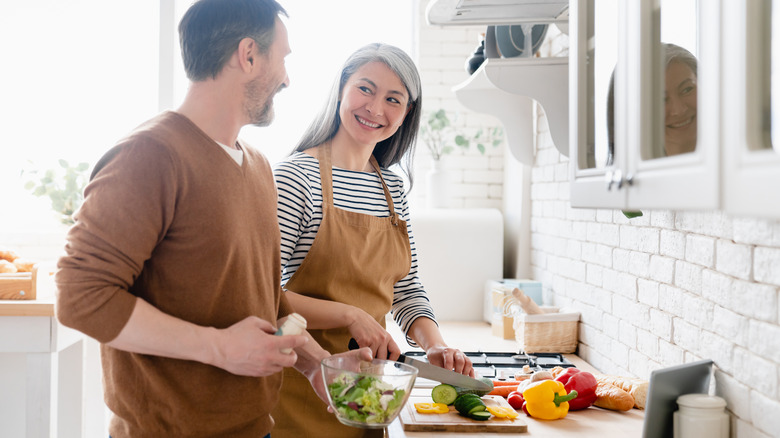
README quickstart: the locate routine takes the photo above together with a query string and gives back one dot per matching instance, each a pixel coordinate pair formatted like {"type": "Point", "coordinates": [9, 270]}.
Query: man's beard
{"type": "Point", "coordinates": [260, 105]}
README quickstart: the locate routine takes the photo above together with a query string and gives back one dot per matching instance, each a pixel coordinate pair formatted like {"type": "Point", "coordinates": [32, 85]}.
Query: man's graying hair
{"type": "Point", "coordinates": [211, 30]}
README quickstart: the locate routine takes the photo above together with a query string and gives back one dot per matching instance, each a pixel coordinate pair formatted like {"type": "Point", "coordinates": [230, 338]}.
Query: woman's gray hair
{"type": "Point", "coordinates": [675, 53]}
{"type": "Point", "coordinates": [399, 146]}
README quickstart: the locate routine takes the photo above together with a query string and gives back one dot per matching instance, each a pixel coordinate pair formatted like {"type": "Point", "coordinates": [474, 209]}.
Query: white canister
{"type": "Point", "coordinates": [701, 416]}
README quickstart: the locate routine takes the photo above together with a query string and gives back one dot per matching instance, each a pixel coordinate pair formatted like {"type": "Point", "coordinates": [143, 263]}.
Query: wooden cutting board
{"type": "Point", "coordinates": [414, 421]}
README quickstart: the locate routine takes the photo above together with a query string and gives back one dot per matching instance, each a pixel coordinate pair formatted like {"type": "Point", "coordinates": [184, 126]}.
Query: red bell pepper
{"type": "Point", "coordinates": [584, 383]}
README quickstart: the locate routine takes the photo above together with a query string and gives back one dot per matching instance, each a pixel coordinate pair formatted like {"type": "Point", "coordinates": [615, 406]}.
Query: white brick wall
{"type": "Point", "coordinates": [670, 287]}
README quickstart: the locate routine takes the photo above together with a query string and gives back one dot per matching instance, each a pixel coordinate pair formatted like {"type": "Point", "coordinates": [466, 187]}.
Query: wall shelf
{"type": "Point", "coordinates": [494, 12]}
{"type": "Point", "coordinates": [504, 87]}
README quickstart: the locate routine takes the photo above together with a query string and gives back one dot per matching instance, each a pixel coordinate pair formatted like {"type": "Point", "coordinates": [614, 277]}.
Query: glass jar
{"type": "Point", "coordinates": [701, 416]}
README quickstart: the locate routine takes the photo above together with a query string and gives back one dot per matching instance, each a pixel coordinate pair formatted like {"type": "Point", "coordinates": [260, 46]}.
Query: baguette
{"type": "Point", "coordinates": [636, 387]}
{"type": "Point", "coordinates": [609, 396]}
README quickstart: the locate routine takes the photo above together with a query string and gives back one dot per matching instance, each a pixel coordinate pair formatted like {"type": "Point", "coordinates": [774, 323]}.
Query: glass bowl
{"type": "Point", "coordinates": [367, 394]}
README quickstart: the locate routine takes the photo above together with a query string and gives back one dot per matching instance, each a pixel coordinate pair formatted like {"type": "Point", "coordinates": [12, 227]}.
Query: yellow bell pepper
{"type": "Point", "coordinates": [547, 400]}
{"type": "Point", "coordinates": [431, 408]}
{"type": "Point", "coordinates": [502, 412]}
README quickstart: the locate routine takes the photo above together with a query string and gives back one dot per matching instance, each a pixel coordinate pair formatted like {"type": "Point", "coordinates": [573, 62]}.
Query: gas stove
{"type": "Point", "coordinates": [498, 365]}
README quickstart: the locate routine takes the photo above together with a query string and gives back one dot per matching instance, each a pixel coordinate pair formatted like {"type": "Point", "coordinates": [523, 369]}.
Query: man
{"type": "Point", "coordinates": [173, 263]}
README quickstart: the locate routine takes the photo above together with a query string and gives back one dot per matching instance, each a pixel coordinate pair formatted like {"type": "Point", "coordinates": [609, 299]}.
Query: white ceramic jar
{"type": "Point", "coordinates": [701, 416]}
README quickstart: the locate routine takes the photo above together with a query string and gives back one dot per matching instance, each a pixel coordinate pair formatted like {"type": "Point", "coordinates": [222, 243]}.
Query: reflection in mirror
{"type": "Point", "coordinates": [773, 53]}
{"type": "Point", "coordinates": [680, 100]}
{"type": "Point", "coordinates": [602, 57]}
{"type": "Point", "coordinates": [679, 78]}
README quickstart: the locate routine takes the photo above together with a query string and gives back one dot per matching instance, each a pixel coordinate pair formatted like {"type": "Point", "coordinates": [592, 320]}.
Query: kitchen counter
{"type": "Point", "coordinates": [42, 365]}
{"type": "Point", "coordinates": [589, 423]}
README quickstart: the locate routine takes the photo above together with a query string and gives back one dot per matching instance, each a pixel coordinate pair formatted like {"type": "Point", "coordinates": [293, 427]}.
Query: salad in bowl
{"type": "Point", "coordinates": [367, 394]}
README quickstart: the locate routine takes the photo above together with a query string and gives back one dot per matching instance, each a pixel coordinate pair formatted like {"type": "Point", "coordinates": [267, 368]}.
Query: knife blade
{"type": "Point", "coordinates": [439, 374]}
{"type": "Point", "coordinates": [443, 375]}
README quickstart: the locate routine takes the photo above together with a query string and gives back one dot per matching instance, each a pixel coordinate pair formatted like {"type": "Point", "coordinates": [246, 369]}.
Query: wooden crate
{"type": "Point", "coordinates": [28, 285]}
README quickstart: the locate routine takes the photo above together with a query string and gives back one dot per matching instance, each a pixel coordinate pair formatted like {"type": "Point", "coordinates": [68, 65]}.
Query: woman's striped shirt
{"type": "Point", "coordinates": [300, 213]}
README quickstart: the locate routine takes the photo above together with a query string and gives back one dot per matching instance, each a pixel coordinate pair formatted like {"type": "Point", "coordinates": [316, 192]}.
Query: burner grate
{"type": "Point", "coordinates": [505, 364]}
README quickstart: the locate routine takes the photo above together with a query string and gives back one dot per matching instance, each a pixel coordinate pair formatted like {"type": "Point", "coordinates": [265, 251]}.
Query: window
{"type": "Point", "coordinates": [81, 74]}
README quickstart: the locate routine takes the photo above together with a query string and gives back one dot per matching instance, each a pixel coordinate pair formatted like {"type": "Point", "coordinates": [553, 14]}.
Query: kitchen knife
{"type": "Point", "coordinates": [439, 374]}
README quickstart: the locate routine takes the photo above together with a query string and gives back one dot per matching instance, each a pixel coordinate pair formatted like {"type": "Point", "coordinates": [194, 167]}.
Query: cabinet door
{"type": "Point", "coordinates": [673, 127]}
{"type": "Point", "coordinates": [751, 112]}
{"type": "Point", "coordinates": [596, 106]}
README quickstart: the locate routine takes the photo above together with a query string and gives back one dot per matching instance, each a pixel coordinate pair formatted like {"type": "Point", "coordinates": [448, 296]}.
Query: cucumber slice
{"type": "Point", "coordinates": [480, 415]}
{"type": "Point", "coordinates": [478, 408]}
{"type": "Point", "coordinates": [465, 403]}
{"type": "Point", "coordinates": [444, 393]}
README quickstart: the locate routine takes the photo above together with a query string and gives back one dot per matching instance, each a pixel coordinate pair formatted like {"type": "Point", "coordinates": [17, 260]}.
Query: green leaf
{"type": "Point", "coordinates": [481, 149]}
{"type": "Point", "coordinates": [461, 141]}
{"type": "Point", "coordinates": [63, 163]}
{"type": "Point", "coordinates": [82, 167]}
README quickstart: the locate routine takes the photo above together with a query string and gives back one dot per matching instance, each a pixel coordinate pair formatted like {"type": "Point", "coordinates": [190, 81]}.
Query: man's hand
{"type": "Point", "coordinates": [249, 348]}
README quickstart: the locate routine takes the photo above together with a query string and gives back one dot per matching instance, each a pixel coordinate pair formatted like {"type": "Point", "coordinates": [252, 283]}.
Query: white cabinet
{"type": "Point", "coordinates": [751, 110]}
{"type": "Point", "coordinates": [654, 146]}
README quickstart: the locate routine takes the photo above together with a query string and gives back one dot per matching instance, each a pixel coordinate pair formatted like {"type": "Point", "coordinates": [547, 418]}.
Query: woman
{"type": "Point", "coordinates": [680, 100]}
{"type": "Point", "coordinates": [347, 254]}
{"type": "Point", "coordinates": [680, 104]}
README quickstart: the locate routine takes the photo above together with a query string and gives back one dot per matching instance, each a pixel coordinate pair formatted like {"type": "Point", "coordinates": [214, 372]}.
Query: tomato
{"type": "Point", "coordinates": [515, 399]}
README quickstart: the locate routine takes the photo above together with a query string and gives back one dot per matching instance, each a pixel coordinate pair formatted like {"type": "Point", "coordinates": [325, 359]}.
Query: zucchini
{"type": "Point", "coordinates": [480, 415]}
{"type": "Point", "coordinates": [444, 393]}
{"type": "Point", "coordinates": [462, 390]}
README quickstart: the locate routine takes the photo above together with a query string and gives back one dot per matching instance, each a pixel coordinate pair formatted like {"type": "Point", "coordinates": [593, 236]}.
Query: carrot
{"type": "Point", "coordinates": [505, 383]}
{"type": "Point", "coordinates": [503, 391]}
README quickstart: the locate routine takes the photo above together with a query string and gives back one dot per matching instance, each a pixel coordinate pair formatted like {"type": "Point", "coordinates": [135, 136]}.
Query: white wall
{"type": "Point", "coordinates": [477, 180]}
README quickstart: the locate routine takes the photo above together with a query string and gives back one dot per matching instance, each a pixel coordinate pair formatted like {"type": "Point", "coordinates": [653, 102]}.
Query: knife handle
{"type": "Point", "coordinates": [353, 345]}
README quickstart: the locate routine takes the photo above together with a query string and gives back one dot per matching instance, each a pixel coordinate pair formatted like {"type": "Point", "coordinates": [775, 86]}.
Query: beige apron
{"type": "Point", "coordinates": [355, 259]}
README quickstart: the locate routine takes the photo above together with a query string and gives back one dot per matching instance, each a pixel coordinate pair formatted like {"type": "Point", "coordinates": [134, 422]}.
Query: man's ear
{"type": "Point", "coordinates": [247, 54]}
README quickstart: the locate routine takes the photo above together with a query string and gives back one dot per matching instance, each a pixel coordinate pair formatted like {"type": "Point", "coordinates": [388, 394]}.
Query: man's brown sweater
{"type": "Point", "coordinates": [171, 218]}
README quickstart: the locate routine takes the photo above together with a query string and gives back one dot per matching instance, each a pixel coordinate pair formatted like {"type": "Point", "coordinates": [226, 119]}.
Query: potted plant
{"type": "Point", "coordinates": [442, 137]}
{"type": "Point", "coordinates": [64, 187]}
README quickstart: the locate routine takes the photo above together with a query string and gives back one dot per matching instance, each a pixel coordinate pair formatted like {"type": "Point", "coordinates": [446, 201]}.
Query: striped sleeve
{"type": "Point", "coordinates": [295, 208]}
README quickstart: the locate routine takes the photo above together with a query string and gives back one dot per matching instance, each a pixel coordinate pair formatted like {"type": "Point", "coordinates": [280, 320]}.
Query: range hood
{"type": "Point", "coordinates": [496, 12]}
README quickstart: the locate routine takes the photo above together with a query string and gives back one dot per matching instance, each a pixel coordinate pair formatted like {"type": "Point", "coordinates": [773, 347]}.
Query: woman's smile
{"type": "Point", "coordinates": [367, 123]}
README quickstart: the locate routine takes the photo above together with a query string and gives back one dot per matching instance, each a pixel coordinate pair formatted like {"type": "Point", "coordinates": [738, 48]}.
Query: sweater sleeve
{"type": "Point", "coordinates": [410, 301]}
{"type": "Point", "coordinates": [295, 207]}
{"type": "Point", "coordinates": [127, 208]}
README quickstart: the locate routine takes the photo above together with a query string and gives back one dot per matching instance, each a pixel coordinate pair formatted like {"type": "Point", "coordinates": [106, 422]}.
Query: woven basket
{"type": "Point", "coordinates": [547, 333]}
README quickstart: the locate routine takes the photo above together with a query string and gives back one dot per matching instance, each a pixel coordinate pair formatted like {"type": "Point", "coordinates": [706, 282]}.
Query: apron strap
{"type": "Point", "coordinates": [388, 197]}
{"type": "Point", "coordinates": [326, 177]}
